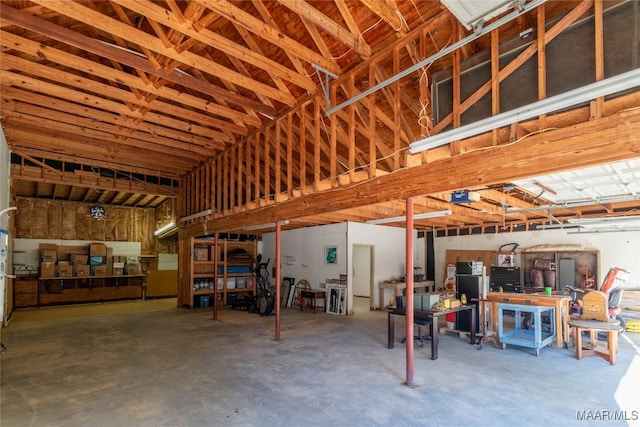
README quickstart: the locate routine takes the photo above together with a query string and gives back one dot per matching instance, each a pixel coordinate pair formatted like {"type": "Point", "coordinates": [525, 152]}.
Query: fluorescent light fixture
{"type": "Point", "coordinates": [615, 84]}
{"type": "Point", "coordinates": [602, 230]}
{"type": "Point", "coordinates": [572, 204]}
{"type": "Point", "coordinates": [404, 218]}
{"type": "Point", "coordinates": [263, 226]}
{"type": "Point", "coordinates": [607, 222]}
{"type": "Point", "coordinates": [196, 215]}
{"type": "Point", "coordinates": [164, 229]}
{"type": "Point", "coordinates": [473, 13]}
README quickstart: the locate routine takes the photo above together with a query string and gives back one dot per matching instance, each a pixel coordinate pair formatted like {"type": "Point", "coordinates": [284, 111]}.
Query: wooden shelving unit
{"type": "Point", "coordinates": [217, 273]}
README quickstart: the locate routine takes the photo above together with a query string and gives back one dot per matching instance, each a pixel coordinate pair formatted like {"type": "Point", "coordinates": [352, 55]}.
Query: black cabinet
{"type": "Point", "coordinates": [471, 287]}
{"type": "Point", "coordinates": [506, 279]}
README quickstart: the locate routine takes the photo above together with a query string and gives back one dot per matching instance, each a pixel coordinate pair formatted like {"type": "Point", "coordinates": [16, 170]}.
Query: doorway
{"type": "Point", "coordinates": [363, 277]}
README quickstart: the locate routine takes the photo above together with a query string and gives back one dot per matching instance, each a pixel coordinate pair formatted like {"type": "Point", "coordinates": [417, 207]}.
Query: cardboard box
{"type": "Point", "coordinates": [81, 270]}
{"type": "Point", "coordinates": [201, 253]}
{"type": "Point", "coordinates": [120, 259]}
{"type": "Point", "coordinates": [49, 255]}
{"type": "Point", "coordinates": [79, 259]}
{"type": "Point", "coordinates": [99, 270]}
{"type": "Point", "coordinates": [119, 265]}
{"type": "Point", "coordinates": [451, 303]}
{"type": "Point", "coordinates": [98, 249]}
{"type": "Point", "coordinates": [118, 271]}
{"type": "Point", "coordinates": [132, 269]}
{"type": "Point", "coordinates": [65, 269]}
{"type": "Point", "coordinates": [47, 269]}
{"type": "Point", "coordinates": [48, 246]}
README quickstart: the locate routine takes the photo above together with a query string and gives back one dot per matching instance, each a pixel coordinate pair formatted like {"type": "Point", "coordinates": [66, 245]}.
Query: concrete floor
{"type": "Point", "coordinates": [177, 367]}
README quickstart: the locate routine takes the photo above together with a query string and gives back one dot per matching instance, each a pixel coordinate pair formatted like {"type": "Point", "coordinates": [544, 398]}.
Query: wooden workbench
{"type": "Point", "coordinates": [559, 302]}
{"type": "Point", "coordinates": [399, 286]}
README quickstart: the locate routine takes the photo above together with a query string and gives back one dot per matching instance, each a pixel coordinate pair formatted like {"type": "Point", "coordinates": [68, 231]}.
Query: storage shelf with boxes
{"type": "Point", "coordinates": [233, 278]}
{"type": "Point", "coordinates": [87, 273]}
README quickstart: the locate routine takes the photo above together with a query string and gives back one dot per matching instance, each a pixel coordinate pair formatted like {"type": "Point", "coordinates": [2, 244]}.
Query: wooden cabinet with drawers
{"type": "Point", "coordinates": [25, 291]}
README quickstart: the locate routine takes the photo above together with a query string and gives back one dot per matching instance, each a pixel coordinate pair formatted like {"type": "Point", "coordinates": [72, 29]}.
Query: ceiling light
{"type": "Point", "coordinates": [599, 230]}
{"type": "Point", "coordinates": [196, 215]}
{"type": "Point", "coordinates": [164, 229]}
{"type": "Point", "coordinates": [404, 218]}
{"type": "Point", "coordinates": [608, 86]}
{"type": "Point", "coordinates": [263, 226]}
{"type": "Point", "coordinates": [473, 13]}
{"type": "Point", "coordinates": [606, 222]}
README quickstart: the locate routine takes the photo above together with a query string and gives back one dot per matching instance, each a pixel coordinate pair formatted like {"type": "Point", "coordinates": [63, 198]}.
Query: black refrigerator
{"type": "Point", "coordinates": [471, 286]}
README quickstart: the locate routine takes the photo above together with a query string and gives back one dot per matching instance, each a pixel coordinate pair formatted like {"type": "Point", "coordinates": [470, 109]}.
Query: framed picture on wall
{"type": "Point", "coordinates": [331, 255]}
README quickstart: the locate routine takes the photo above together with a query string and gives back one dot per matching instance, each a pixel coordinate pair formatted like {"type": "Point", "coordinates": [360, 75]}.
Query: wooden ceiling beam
{"type": "Point", "coordinates": [270, 34]}
{"type": "Point", "coordinates": [35, 174]}
{"type": "Point", "coordinates": [78, 97]}
{"type": "Point", "coordinates": [154, 12]}
{"type": "Point", "coordinates": [606, 140]}
{"type": "Point", "coordinates": [82, 84]}
{"type": "Point", "coordinates": [309, 13]}
{"type": "Point", "coordinates": [186, 132]}
{"type": "Point", "coordinates": [74, 124]}
{"type": "Point", "coordinates": [38, 153]}
{"type": "Point", "coordinates": [82, 42]}
{"type": "Point", "coordinates": [115, 76]}
{"type": "Point", "coordinates": [387, 13]}
{"type": "Point", "coordinates": [268, 19]}
{"type": "Point", "coordinates": [140, 38]}
{"type": "Point", "coordinates": [91, 149]}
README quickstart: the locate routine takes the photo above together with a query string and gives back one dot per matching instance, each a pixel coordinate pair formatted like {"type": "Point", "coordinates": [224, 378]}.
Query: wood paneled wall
{"type": "Point", "coordinates": [50, 219]}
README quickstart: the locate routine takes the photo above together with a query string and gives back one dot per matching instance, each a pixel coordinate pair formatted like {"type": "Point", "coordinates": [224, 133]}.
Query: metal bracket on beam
{"type": "Point", "coordinates": [325, 82]}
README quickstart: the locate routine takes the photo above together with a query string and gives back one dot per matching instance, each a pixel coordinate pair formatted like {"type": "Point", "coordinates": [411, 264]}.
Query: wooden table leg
{"type": "Point", "coordinates": [612, 343]}
{"type": "Point", "coordinates": [577, 339]}
{"type": "Point", "coordinates": [493, 314]}
{"type": "Point", "coordinates": [559, 323]}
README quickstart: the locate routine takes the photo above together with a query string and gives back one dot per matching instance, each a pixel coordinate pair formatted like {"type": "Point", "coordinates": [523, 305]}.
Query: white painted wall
{"type": "Point", "coordinates": [304, 249]}
{"type": "Point", "coordinates": [302, 252]}
{"type": "Point", "coordinates": [616, 249]}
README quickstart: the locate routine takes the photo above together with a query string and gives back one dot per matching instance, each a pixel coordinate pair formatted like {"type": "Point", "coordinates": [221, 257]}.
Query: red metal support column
{"type": "Point", "coordinates": [277, 279]}
{"type": "Point", "coordinates": [409, 291]}
{"type": "Point", "coordinates": [216, 259]}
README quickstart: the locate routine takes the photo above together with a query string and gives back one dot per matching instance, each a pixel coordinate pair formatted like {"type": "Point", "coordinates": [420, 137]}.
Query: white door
{"type": "Point", "coordinates": [363, 272]}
